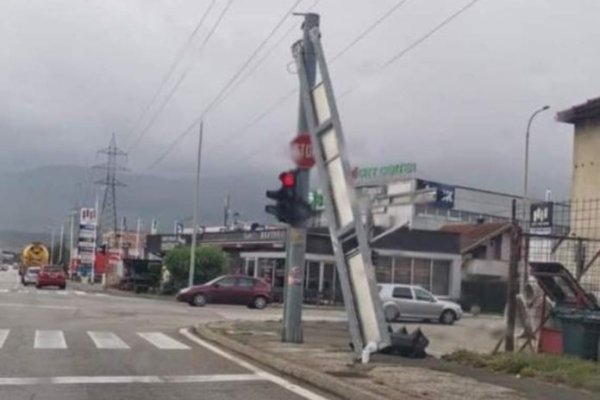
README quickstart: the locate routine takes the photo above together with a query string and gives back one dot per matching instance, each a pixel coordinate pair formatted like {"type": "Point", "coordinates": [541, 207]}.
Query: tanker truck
{"type": "Point", "coordinates": [35, 254]}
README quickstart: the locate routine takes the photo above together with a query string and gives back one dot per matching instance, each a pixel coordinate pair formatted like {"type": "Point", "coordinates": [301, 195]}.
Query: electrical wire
{"type": "Point", "coordinates": [427, 35]}
{"type": "Point", "coordinates": [181, 78]}
{"type": "Point", "coordinates": [388, 13]}
{"type": "Point", "coordinates": [364, 33]}
{"type": "Point", "coordinates": [231, 81]}
{"type": "Point", "coordinates": [171, 69]}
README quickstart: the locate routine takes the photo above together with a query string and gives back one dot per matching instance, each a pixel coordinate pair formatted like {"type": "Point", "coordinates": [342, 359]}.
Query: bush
{"type": "Point", "coordinates": [210, 262]}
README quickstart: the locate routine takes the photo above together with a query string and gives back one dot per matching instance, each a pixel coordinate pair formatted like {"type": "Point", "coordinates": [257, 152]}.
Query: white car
{"type": "Point", "coordinates": [31, 276]}
{"type": "Point", "coordinates": [414, 302]}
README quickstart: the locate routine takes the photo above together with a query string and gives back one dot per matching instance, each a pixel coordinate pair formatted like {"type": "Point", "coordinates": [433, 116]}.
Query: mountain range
{"type": "Point", "coordinates": [32, 201]}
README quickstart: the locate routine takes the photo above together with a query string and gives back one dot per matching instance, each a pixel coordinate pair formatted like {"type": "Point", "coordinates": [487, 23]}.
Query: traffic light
{"type": "Point", "coordinates": [290, 207]}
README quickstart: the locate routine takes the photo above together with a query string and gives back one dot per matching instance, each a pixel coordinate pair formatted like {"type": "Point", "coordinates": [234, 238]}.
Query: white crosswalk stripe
{"type": "Point", "coordinates": [3, 290]}
{"type": "Point", "coordinates": [79, 292]}
{"type": "Point", "coordinates": [50, 339]}
{"type": "Point", "coordinates": [3, 335]}
{"type": "Point", "coordinates": [107, 340]}
{"type": "Point", "coordinates": [162, 341]}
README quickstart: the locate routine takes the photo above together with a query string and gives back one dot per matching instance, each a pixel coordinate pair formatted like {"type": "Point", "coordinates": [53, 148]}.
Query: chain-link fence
{"type": "Point", "coordinates": [568, 233]}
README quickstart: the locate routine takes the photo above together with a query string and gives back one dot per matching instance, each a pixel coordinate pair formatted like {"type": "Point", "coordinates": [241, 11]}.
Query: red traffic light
{"type": "Point", "coordinates": [288, 179]}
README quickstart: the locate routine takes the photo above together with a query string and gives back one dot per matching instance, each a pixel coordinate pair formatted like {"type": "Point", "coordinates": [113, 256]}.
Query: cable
{"type": "Point", "coordinates": [181, 78]}
{"type": "Point", "coordinates": [172, 67]}
{"type": "Point", "coordinates": [369, 29]}
{"type": "Point", "coordinates": [225, 88]}
{"type": "Point", "coordinates": [337, 56]}
{"type": "Point", "coordinates": [423, 38]}
{"type": "Point", "coordinates": [265, 56]}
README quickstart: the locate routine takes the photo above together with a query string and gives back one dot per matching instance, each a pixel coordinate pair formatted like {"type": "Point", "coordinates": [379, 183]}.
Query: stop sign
{"type": "Point", "coordinates": [302, 151]}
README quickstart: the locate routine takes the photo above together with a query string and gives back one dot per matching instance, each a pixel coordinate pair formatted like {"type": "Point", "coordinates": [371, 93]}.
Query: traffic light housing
{"type": "Point", "coordinates": [289, 207]}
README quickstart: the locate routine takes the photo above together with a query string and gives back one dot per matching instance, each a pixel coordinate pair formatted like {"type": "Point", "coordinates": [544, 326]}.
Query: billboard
{"type": "Point", "coordinates": [540, 215]}
{"type": "Point", "coordinates": [444, 197]}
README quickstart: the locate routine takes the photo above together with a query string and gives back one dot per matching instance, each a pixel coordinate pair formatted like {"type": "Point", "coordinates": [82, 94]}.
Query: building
{"type": "Point", "coordinates": [485, 252]}
{"type": "Point", "coordinates": [431, 259]}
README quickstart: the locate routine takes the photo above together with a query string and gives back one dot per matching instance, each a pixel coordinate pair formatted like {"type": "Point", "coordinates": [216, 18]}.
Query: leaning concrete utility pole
{"type": "Point", "coordinates": [351, 247]}
{"type": "Point", "coordinates": [296, 238]}
{"type": "Point", "coordinates": [195, 214]}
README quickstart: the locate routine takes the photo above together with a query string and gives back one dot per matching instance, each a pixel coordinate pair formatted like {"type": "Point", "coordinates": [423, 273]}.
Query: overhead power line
{"type": "Point", "coordinates": [231, 81]}
{"type": "Point", "coordinates": [178, 57]}
{"type": "Point", "coordinates": [352, 43]}
{"type": "Point", "coordinates": [427, 35]}
{"type": "Point", "coordinates": [181, 77]}
{"type": "Point", "coordinates": [364, 33]}
{"type": "Point", "coordinates": [388, 13]}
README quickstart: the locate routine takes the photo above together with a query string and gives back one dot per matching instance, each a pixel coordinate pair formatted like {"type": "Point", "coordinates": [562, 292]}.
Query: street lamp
{"type": "Point", "coordinates": [526, 175]}
{"type": "Point", "coordinates": [525, 201]}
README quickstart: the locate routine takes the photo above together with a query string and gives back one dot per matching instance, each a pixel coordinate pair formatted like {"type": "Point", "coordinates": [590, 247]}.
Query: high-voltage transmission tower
{"type": "Point", "coordinates": [108, 210]}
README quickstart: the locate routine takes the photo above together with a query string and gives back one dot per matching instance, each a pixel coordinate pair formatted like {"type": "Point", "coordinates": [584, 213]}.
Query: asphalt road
{"type": "Point", "coordinates": [77, 345]}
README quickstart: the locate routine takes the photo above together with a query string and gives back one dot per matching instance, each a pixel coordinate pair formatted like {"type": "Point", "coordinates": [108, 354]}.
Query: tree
{"type": "Point", "coordinates": [210, 262]}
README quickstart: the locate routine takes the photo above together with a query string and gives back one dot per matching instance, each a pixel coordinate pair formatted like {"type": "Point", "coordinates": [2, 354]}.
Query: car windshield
{"type": "Point", "coordinates": [33, 271]}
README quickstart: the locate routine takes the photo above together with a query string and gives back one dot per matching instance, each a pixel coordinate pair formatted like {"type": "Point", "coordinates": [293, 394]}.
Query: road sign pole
{"type": "Point", "coordinates": [296, 238]}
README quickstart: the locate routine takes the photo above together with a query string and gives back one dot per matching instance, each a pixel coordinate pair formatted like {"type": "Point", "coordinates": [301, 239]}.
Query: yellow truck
{"type": "Point", "coordinates": [35, 254]}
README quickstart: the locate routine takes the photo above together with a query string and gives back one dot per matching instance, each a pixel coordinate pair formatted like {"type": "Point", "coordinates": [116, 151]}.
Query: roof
{"type": "Point", "coordinates": [587, 110]}
{"type": "Point", "coordinates": [418, 241]}
{"type": "Point", "coordinates": [472, 235]}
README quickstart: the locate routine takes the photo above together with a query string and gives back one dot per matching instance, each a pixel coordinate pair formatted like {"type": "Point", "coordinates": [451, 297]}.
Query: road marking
{"type": "Point", "coordinates": [107, 340]}
{"type": "Point", "coordinates": [100, 294]}
{"type": "Point", "coordinates": [284, 383]}
{"type": "Point", "coordinates": [79, 292]}
{"type": "Point", "coordinates": [49, 340]}
{"type": "Point", "coordinates": [75, 380]}
{"type": "Point", "coordinates": [162, 341]}
{"type": "Point", "coordinates": [3, 336]}
{"type": "Point", "coordinates": [22, 291]}
{"type": "Point", "coordinates": [50, 307]}
{"type": "Point", "coordinates": [61, 292]}
{"type": "Point", "coordinates": [3, 290]}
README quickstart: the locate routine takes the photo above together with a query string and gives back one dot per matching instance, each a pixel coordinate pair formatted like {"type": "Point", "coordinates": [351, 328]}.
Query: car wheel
{"type": "Point", "coordinates": [62, 287]}
{"type": "Point", "coordinates": [390, 313]}
{"type": "Point", "coordinates": [198, 300]}
{"type": "Point", "coordinates": [259, 302]}
{"type": "Point", "coordinates": [448, 317]}
{"type": "Point", "coordinates": [38, 286]}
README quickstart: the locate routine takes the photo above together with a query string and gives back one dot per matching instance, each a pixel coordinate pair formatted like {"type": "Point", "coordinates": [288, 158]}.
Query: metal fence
{"type": "Point", "coordinates": [568, 233]}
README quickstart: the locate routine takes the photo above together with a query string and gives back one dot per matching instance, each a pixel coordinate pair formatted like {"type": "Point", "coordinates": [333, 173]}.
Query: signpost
{"type": "Point", "coordinates": [86, 243]}
{"type": "Point", "coordinates": [302, 151]}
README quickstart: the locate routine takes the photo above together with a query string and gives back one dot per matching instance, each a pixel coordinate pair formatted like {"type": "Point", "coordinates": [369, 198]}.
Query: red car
{"type": "Point", "coordinates": [229, 289]}
{"type": "Point", "coordinates": [51, 276]}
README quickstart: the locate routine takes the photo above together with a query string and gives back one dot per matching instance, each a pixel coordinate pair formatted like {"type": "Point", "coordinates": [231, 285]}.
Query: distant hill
{"type": "Point", "coordinates": [15, 241]}
{"type": "Point", "coordinates": [31, 201]}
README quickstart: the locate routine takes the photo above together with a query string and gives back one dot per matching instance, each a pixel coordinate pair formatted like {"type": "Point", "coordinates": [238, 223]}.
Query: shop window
{"type": "Point", "coordinates": [328, 277]}
{"type": "Point", "coordinates": [383, 269]}
{"type": "Point", "coordinates": [441, 277]}
{"type": "Point", "coordinates": [249, 267]}
{"type": "Point", "coordinates": [422, 272]}
{"type": "Point", "coordinates": [312, 275]}
{"type": "Point", "coordinates": [402, 270]}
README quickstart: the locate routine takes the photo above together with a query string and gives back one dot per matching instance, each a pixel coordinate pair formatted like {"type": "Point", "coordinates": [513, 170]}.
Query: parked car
{"type": "Point", "coordinates": [51, 275]}
{"type": "Point", "coordinates": [414, 302]}
{"type": "Point", "coordinates": [229, 289]}
{"type": "Point", "coordinates": [31, 275]}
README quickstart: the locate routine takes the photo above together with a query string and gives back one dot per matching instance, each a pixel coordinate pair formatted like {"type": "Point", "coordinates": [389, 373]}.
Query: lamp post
{"type": "Point", "coordinates": [525, 201]}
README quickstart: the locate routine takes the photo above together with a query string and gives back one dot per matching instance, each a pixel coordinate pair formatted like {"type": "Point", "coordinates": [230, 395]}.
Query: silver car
{"type": "Point", "coordinates": [414, 302]}
{"type": "Point", "coordinates": [31, 275]}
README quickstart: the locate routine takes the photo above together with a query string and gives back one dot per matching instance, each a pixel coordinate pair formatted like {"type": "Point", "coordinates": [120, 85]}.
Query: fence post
{"type": "Point", "coordinates": [512, 287]}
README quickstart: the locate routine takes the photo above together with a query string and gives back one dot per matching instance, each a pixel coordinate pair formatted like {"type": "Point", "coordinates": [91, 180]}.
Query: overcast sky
{"type": "Point", "coordinates": [72, 72]}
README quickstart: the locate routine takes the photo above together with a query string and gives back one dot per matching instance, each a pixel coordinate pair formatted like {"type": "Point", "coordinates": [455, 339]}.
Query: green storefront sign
{"type": "Point", "coordinates": [384, 172]}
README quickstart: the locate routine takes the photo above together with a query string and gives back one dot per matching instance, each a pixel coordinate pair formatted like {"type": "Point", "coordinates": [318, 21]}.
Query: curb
{"type": "Point", "coordinates": [321, 381]}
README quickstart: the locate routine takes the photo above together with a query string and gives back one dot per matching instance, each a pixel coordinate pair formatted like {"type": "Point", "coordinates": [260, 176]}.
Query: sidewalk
{"type": "Point", "coordinates": [325, 361]}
